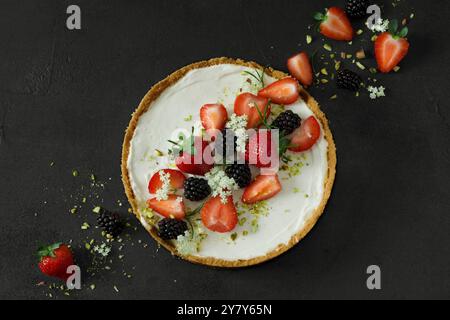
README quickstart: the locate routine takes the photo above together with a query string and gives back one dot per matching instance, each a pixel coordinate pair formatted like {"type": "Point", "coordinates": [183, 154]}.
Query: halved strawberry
{"type": "Point", "coordinates": [176, 180]}
{"type": "Point", "coordinates": [219, 217]}
{"type": "Point", "coordinates": [258, 150]}
{"type": "Point", "coordinates": [199, 163]}
{"type": "Point", "coordinates": [246, 103]}
{"type": "Point", "coordinates": [213, 116]}
{"type": "Point", "coordinates": [300, 68]}
{"type": "Point", "coordinates": [335, 24]}
{"type": "Point", "coordinates": [391, 47]}
{"type": "Point", "coordinates": [306, 136]}
{"type": "Point", "coordinates": [284, 91]}
{"type": "Point", "coordinates": [170, 208]}
{"type": "Point", "coordinates": [262, 188]}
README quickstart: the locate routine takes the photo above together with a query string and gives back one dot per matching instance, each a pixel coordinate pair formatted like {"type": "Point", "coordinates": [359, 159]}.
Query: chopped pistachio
{"type": "Point", "coordinates": [374, 38]}
{"type": "Point", "coordinates": [337, 65]}
{"type": "Point", "coordinates": [188, 118]}
{"type": "Point", "coordinates": [324, 71]}
{"type": "Point", "coordinates": [85, 226]}
{"type": "Point", "coordinates": [233, 236]}
{"type": "Point", "coordinates": [75, 173]}
{"type": "Point", "coordinates": [324, 81]}
{"type": "Point", "coordinates": [360, 65]}
{"type": "Point", "coordinates": [92, 286]}
{"type": "Point", "coordinates": [397, 69]}
{"type": "Point", "coordinates": [373, 70]}
{"type": "Point", "coordinates": [73, 210]}
{"type": "Point", "coordinates": [359, 32]}
{"type": "Point", "coordinates": [52, 164]}
{"type": "Point", "coordinates": [333, 97]}
{"type": "Point", "coordinates": [327, 47]}
{"type": "Point", "coordinates": [308, 39]}
{"type": "Point", "coordinates": [93, 177]}
{"type": "Point", "coordinates": [97, 210]}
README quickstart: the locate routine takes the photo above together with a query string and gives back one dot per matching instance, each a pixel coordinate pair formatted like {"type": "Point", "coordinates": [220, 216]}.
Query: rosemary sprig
{"type": "Point", "coordinates": [259, 77]}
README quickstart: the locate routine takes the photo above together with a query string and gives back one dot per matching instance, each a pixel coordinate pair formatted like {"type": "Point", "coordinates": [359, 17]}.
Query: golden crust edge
{"type": "Point", "coordinates": [155, 92]}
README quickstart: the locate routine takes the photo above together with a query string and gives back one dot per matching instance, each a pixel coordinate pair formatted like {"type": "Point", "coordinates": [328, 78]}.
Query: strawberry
{"type": "Point", "coordinates": [391, 47]}
{"type": "Point", "coordinates": [283, 91]}
{"type": "Point", "coordinates": [176, 180]}
{"type": "Point", "coordinates": [219, 217]}
{"type": "Point", "coordinates": [335, 24]}
{"type": "Point", "coordinates": [170, 208]}
{"type": "Point", "coordinates": [306, 136]}
{"type": "Point", "coordinates": [196, 161]}
{"type": "Point", "coordinates": [262, 188]}
{"type": "Point", "coordinates": [258, 150]}
{"type": "Point", "coordinates": [300, 68]}
{"type": "Point", "coordinates": [213, 116]}
{"type": "Point", "coordinates": [55, 259]}
{"type": "Point", "coordinates": [246, 104]}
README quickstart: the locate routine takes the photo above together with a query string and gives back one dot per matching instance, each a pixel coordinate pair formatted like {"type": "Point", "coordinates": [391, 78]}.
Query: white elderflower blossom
{"type": "Point", "coordinates": [376, 92]}
{"type": "Point", "coordinates": [221, 185]}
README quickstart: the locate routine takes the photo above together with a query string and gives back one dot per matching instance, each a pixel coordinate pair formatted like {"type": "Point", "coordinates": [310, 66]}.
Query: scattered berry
{"type": "Point", "coordinates": [246, 104]}
{"type": "Point", "coordinates": [240, 173]}
{"type": "Point", "coordinates": [356, 8]}
{"type": "Point", "coordinates": [170, 229]}
{"type": "Point", "coordinates": [283, 91]}
{"type": "Point", "coordinates": [218, 216]}
{"type": "Point", "coordinates": [287, 122]}
{"type": "Point", "coordinates": [391, 47]}
{"type": "Point", "coordinates": [299, 67]}
{"type": "Point", "coordinates": [258, 151]}
{"type": "Point", "coordinates": [173, 207]}
{"type": "Point", "coordinates": [213, 116]}
{"type": "Point", "coordinates": [111, 223]}
{"type": "Point", "coordinates": [262, 188]}
{"type": "Point", "coordinates": [196, 189]}
{"type": "Point", "coordinates": [176, 180]}
{"type": "Point", "coordinates": [55, 259]}
{"type": "Point", "coordinates": [335, 24]}
{"type": "Point", "coordinates": [306, 136]}
{"type": "Point", "coordinates": [198, 164]}
{"type": "Point", "coordinates": [349, 80]}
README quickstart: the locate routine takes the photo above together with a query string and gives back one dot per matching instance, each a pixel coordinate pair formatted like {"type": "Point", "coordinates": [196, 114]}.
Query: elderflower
{"type": "Point", "coordinates": [221, 185]}
{"type": "Point", "coordinates": [239, 124]}
{"type": "Point", "coordinates": [380, 25]}
{"type": "Point", "coordinates": [190, 242]}
{"type": "Point", "coordinates": [163, 192]}
{"type": "Point", "coordinates": [375, 92]}
{"type": "Point", "coordinates": [103, 250]}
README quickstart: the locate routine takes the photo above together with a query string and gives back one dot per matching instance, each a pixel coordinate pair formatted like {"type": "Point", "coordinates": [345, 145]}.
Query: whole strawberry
{"type": "Point", "coordinates": [55, 259]}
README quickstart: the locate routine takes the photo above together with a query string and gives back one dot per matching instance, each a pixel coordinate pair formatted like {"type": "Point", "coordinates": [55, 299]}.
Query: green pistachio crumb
{"type": "Point", "coordinates": [308, 39]}
{"type": "Point", "coordinates": [96, 210]}
{"type": "Point", "coordinates": [327, 47]}
{"type": "Point", "coordinates": [75, 173]}
{"type": "Point", "coordinates": [359, 32]}
{"type": "Point", "coordinates": [233, 236]}
{"type": "Point", "coordinates": [360, 65]}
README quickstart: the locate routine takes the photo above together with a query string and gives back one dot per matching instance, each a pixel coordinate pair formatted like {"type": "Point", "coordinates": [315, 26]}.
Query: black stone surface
{"type": "Point", "coordinates": [66, 97]}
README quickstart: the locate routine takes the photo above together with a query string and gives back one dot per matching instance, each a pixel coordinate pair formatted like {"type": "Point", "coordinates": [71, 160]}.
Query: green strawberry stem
{"type": "Point", "coordinates": [48, 251]}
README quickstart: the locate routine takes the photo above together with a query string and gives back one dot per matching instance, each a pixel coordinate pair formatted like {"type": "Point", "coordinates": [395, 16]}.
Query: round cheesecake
{"type": "Point", "coordinates": [265, 230]}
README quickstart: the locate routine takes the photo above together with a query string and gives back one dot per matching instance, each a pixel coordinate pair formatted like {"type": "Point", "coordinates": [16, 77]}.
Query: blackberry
{"type": "Point", "coordinates": [196, 189]}
{"type": "Point", "coordinates": [240, 173]}
{"type": "Point", "coordinates": [287, 122]}
{"type": "Point", "coordinates": [347, 79]}
{"type": "Point", "coordinates": [227, 148]}
{"type": "Point", "coordinates": [356, 8]}
{"type": "Point", "coordinates": [170, 229]}
{"type": "Point", "coordinates": [111, 223]}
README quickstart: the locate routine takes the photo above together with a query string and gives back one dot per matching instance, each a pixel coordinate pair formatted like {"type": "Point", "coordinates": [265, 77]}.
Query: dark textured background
{"type": "Point", "coordinates": [66, 97]}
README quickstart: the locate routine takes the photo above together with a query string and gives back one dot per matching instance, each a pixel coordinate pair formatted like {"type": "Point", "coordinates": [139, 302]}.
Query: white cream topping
{"type": "Point", "coordinates": [303, 183]}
